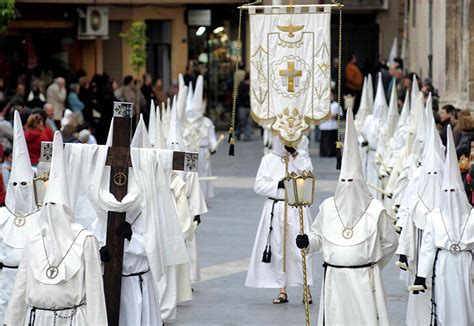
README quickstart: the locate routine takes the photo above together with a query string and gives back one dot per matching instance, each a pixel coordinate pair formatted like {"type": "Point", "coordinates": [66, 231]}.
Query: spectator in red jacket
{"type": "Point", "coordinates": [35, 133]}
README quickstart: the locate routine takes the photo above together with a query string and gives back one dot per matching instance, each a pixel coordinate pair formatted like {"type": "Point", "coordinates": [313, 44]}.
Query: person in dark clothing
{"type": "Point", "coordinates": [85, 96]}
{"type": "Point", "coordinates": [36, 102]}
{"type": "Point", "coordinates": [466, 126]}
{"type": "Point", "coordinates": [244, 124]}
{"type": "Point", "coordinates": [444, 115]}
{"type": "Point", "coordinates": [149, 94]}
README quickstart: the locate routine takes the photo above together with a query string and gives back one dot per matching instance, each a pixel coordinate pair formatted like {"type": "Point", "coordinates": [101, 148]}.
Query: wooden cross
{"type": "Point", "coordinates": [118, 158]}
{"type": "Point", "coordinates": [291, 75]}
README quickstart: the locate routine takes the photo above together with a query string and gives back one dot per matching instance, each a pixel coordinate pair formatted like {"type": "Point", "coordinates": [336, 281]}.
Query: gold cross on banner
{"type": "Point", "coordinates": [291, 74]}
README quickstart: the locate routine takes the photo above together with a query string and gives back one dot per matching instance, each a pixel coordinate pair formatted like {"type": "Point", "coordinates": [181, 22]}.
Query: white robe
{"type": "Point", "coordinates": [353, 296]}
{"type": "Point", "coordinates": [11, 252]}
{"type": "Point", "coordinates": [175, 285]}
{"type": "Point", "coordinates": [454, 288]}
{"type": "Point", "coordinates": [139, 298]}
{"type": "Point", "coordinates": [206, 146]}
{"type": "Point", "coordinates": [84, 291]}
{"type": "Point", "coordinates": [271, 275]}
{"type": "Point", "coordinates": [411, 237]}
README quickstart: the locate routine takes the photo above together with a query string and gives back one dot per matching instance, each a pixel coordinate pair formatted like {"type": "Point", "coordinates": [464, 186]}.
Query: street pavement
{"type": "Point", "coordinates": [226, 237]}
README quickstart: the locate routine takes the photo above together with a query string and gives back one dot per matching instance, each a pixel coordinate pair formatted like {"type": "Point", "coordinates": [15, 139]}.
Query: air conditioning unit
{"type": "Point", "coordinates": [94, 23]}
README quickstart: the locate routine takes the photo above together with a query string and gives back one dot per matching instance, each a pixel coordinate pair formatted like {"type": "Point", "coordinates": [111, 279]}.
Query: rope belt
{"type": "Point", "coordinates": [267, 253]}
{"type": "Point", "coordinates": [140, 278]}
{"type": "Point", "coordinates": [325, 266]}
{"type": "Point", "coordinates": [434, 307]}
{"type": "Point", "coordinates": [55, 311]}
{"type": "Point", "coordinates": [2, 266]}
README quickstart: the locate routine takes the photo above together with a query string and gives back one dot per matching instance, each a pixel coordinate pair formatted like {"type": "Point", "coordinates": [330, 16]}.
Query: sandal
{"type": "Point", "coordinates": [281, 298]}
{"type": "Point", "coordinates": [310, 299]}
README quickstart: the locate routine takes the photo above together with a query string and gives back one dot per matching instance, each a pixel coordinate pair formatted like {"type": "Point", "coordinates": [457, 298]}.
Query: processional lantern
{"type": "Point", "coordinates": [40, 181]}
{"type": "Point", "coordinates": [300, 189]}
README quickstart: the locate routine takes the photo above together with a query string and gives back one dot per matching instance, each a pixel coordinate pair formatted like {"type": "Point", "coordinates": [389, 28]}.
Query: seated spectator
{"type": "Point", "coordinates": [34, 134]}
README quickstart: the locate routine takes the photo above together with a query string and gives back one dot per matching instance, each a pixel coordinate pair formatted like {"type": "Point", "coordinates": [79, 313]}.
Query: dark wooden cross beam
{"type": "Point", "coordinates": [118, 158]}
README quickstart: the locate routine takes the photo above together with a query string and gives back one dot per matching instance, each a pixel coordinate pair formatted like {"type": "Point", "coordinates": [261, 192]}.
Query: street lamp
{"type": "Point", "coordinates": [300, 193]}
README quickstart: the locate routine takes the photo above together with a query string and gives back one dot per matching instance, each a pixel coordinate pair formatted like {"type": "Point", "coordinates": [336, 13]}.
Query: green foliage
{"type": "Point", "coordinates": [7, 13]}
{"type": "Point", "coordinates": [136, 39]}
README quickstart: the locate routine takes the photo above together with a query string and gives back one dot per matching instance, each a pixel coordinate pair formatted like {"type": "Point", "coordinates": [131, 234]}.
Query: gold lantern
{"type": "Point", "coordinates": [300, 193]}
{"type": "Point", "coordinates": [300, 189]}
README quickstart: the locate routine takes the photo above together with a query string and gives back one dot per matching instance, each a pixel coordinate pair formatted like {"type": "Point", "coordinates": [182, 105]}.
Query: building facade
{"type": "Point", "coordinates": [443, 30]}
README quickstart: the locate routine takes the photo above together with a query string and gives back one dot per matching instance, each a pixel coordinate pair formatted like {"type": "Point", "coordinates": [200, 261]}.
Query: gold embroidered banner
{"type": "Point", "coordinates": [290, 69]}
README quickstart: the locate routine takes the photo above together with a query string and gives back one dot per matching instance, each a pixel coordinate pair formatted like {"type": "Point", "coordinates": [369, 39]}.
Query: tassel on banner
{"type": "Point", "coordinates": [267, 255]}
{"type": "Point", "coordinates": [338, 155]}
{"type": "Point", "coordinates": [232, 146]}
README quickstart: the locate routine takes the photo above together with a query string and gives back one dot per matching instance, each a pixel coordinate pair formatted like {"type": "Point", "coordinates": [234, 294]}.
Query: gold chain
{"type": "Point", "coordinates": [305, 274]}
{"type": "Point", "coordinates": [237, 62]}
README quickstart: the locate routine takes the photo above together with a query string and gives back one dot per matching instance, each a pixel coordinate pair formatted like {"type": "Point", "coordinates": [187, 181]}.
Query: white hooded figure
{"type": "Point", "coordinates": [371, 130]}
{"type": "Point", "coordinates": [399, 148]}
{"type": "Point", "coordinates": [59, 280]}
{"type": "Point", "coordinates": [425, 199]}
{"type": "Point", "coordinates": [404, 195]}
{"type": "Point", "coordinates": [17, 217]}
{"type": "Point", "coordinates": [357, 240]}
{"type": "Point", "coordinates": [152, 123]}
{"type": "Point", "coordinates": [195, 194]}
{"type": "Point", "coordinates": [364, 111]}
{"type": "Point", "coordinates": [400, 136]}
{"type": "Point", "coordinates": [202, 137]}
{"type": "Point", "coordinates": [383, 148]}
{"type": "Point", "coordinates": [275, 261]}
{"type": "Point", "coordinates": [139, 303]}
{"type": "Point", "coordinates": [446, 251]}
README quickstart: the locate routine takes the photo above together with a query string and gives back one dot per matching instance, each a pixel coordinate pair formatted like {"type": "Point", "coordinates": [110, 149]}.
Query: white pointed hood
{"type": "Point", "coordinates": [414, 91]}
{"type": "Point", "coordinates": [182, 100]}
{"type": "Point", "coordinates": [455, 207]}
{"type": "Point", "coordinates": [420, 132]}
{"type": "Point", "coordinates": [393, 115]}
{"type": "Point", "coordinates": [198, 100]}
{"type": "Point", "coordinates": [160, 141]}
{"type": "Point", "coordinates": [432, 134]}
{"type": "Point", "coordinates": [432, 169]}
{"type": "Point", "coordinates": [352, 197]}
{"type": "Point", "coordinates": [380, 104]}
{"type": "Point", "coordinates": [370, 92]}
{"type": "Point", "coordinates": [57, 226]}
{"type": "Point", "coordinates": [393, 52]}
{"type": "Point", "coordinates": [165, 117]}
{"type": "Point", "coordinates": [20, 196]}
{"type": "Point", "coordinates": [405, 113]}
{"type": "Point", "coordinates": [181, 82]}
{"type": "Point", "coordinates": [141, 138]}
{"type": "Point", "coordinates": [152, 123]}
{"type": "Point", "coordinates": [364, 107]}
{"type": "Point", "coordinates": [189, 99]}
{"type": "Point", "coordinates": [175, 141]}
